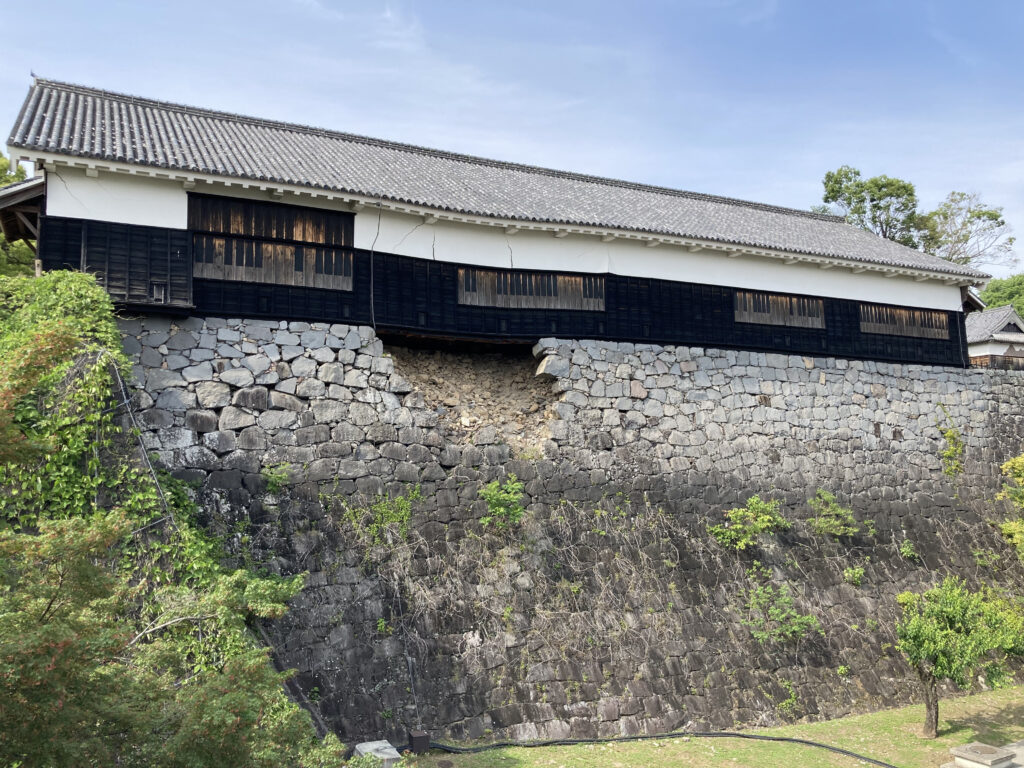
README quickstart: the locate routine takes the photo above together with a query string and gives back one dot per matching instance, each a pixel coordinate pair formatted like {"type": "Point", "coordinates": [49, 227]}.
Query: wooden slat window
{"type": "Point", "coordinates": [898, 321]}
{"type": "Point", "coordinates": [773, 309]}
{"type": "Point", "coordinates": [232, 258]}
{"type": "Point", "coordinates": [529, 290]}
{"type": "Point", "coordinates": [259, 242]}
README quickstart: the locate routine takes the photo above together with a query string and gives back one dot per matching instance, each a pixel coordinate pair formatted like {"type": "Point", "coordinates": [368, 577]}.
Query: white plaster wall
{"type": "Point", "coordinates": [164, 203]}
{"type": "Point", "coordinates": [980, 349]}
{"type": "Point", "coordinates": [116, 197]}
{"type": "Point", "coordinates": [490, 246]}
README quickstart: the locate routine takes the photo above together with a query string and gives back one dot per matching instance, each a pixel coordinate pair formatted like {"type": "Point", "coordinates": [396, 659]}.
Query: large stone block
{"type": "Point", "coordinates": [213, 394]}
{"type": "Point", "coordinates": [287, 402]}
{"type": "Point", "coordinates": [276, 419]}
{"type": "Point", "coordinates": [235, 418]}
{"type": "Point", "coordinates": [158, 378]}
{"type": "Point", "coordinates": [238, 377]}
{"type": "Point", "coordinates": [201, 421]}
{"type": "Point", "coordinates": [254, 398]}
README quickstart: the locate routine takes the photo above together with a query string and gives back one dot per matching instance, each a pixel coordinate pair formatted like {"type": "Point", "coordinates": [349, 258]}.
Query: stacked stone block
{"type": "Point", "coordinates": [224, 401]}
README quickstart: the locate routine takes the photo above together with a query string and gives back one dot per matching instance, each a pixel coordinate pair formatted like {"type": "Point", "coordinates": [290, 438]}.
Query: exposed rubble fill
{"type": "Point", "coordinates": [488, 397]}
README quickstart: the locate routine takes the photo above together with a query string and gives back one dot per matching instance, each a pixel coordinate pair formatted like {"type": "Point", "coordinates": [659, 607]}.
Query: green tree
{"type": "Point", "coordinates": [15, 258]}
{"type": "Point", "coordinates": [949, 631]}
{"type": "Point", "coordinates": [1005, 291]}
{"type": "Point", "coordinates": [882, 204]}
{"type": "Point", "coordinates": [123, 640]}
{"type": "Point", "coordinates": [966, 231]}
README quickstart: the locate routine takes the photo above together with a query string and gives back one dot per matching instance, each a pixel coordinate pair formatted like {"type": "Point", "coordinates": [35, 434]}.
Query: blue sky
{"type": "Point", "coordinates": [754, 99]}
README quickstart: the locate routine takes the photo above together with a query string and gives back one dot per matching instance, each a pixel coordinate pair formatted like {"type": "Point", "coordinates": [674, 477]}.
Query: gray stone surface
{"type": "Point", "coordinates": [692, 431]}
{"type": "Point", "coordinates": [237, 377]}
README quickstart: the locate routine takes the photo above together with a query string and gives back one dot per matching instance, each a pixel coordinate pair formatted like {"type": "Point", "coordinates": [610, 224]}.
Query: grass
{"type": "Point", "coordinates": [892, 736]}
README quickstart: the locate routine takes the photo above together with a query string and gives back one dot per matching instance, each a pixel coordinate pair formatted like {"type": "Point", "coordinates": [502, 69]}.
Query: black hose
{"type": "Point", "coordinates": [671, 735]}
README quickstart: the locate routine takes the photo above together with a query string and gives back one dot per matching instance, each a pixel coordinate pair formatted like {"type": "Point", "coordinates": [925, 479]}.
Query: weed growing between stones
{"type": "Point", "coordinates": [381, 524]}
{"type": "Point", "coordinates": [952, 456]}
{"type": "Point", "coordinates": [504, 503]}
{"type": "Point", "coordinates": [854, 575]}
{"type": "Point", "coordinates": [276, 476]}
{"type": "Point", "coordinates": [788, 706]}
{"type": "Point", "coordinates": [744, 524]}
{"type": "Point", "coordinates": [908, 551]}
{"type": "Point", "coordinates": [831, 518]}
{"type": "Point", "coordinates": [771, 614]}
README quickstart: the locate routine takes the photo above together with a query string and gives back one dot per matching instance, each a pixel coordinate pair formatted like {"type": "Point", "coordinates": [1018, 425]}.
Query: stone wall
{"type": "Point", "coordinates": [608, 609]}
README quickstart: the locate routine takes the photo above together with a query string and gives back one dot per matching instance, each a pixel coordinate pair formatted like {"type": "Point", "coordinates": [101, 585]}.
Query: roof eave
{"type": "Point", "coordinates": [356, 201]}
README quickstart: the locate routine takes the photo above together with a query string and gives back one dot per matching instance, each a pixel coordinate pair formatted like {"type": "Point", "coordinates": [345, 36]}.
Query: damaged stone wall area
{"type": "Point", "coordinates": [609, 609]}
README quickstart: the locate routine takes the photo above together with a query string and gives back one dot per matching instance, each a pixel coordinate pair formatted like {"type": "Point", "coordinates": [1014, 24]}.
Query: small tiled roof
{"type": "Point", "coordinates": [22, 189]}
{"type": "Point", "coordinates": [84, 122]}
{"type": "Point", "coordinates": [982, 326]}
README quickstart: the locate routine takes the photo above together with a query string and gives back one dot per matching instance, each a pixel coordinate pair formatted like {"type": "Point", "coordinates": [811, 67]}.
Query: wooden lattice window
{"type": "Point", "coordinates": [898, 321]}
{"type": "Point", "coordinates": [260, 242]}
{"type": "Point", "coordinates": [529, 290]}
{"type": "Point", "coordinates": [773, 309]}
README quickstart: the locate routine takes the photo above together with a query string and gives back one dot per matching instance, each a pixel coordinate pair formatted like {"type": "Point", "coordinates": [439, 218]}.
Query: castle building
{"type": "Point", "coordinates": [193, 211]}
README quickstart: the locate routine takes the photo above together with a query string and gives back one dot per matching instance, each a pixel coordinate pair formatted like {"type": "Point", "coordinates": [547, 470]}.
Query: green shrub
{"type": "Point", "coordinates": [908, 551]}
{"type": "Point", "coordinates": [385, 518]}
{"type": "Point", "coordinates": [950, 632]}
{"type": "Point", "coordinates": [504, 503]}
{"type": "Point", "coordinates": [1013, 532]}
{"type": "Point", "coordinates": [276, 476]}
{"type": "Point", "coordinates": [831, 518]}
{"type": "Point", "coordinates": [744, 524]}
{"type": "Point", "coordinates": [853, 575]}
{"type": "Point", "coordinates": [771, 614]}
{"type": "Point", "coordinates": [1013, 491]}
{"type": "Point", "coordinates": [125, 641]}
{"type": "Point", "coordinates": [952, 456]}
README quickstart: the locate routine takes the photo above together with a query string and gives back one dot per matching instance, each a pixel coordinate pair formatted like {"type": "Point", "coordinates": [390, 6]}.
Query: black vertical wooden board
{"type": "Point", "coordinates": [403, 288]}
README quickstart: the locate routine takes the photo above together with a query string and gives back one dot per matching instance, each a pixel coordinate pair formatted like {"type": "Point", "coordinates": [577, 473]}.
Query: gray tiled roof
{"type": "Point", "coordinates": [982, 326]}
{"type": "Point", "coordinates": [84, 122]}
{"type": "Point", "coordinates": [21, 188]}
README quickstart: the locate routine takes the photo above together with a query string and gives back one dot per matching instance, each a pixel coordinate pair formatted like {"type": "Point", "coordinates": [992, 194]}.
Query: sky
{"type": "Point", "coordinates": [753, 99]}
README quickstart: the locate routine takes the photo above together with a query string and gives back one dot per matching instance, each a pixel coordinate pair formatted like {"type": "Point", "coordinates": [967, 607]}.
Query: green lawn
{"type": "Point", "coordinates": [891, 736]}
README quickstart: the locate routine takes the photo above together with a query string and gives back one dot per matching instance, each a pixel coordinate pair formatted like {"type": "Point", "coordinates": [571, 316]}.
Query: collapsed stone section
{"type": "Point", "coordinates": [530, 635]}
{"type": "Point", "coordinates": [483, 397]}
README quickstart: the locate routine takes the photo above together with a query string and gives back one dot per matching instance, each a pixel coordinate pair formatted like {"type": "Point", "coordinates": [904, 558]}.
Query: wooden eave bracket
{"type": "Point", "coordinates": [27, 224]}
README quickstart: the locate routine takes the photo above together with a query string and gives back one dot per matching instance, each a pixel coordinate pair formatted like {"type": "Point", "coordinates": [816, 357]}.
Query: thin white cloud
{"type": "Point", "coordinates": [321, 9]}
{"type": "Point", "coordinates": [743, 12]}
{"type": "Point", "coordinates": [957, 49]}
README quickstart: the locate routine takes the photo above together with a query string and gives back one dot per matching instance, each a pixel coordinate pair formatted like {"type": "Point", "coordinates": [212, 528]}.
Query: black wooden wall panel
{"type": "Point", "coordinates": [420, 296]}
{"type": "Point", "coordinates": [60, 243]}
{"type": "Point", "coordinates": [127, 259]}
